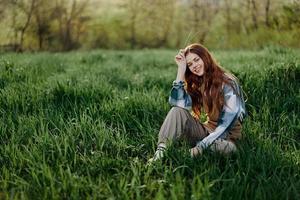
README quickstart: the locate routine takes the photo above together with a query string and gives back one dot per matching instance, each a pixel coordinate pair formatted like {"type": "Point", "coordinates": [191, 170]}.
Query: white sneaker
{"type": "Point", "coordinates": [159, 153]}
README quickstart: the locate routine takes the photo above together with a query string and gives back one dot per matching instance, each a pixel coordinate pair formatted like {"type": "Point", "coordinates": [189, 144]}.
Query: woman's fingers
{"type": "Point", "coordinates": [181, 53]}
{"type": "Point", "coordinates": [196, 151]}
{"type": "Point", "coordinates": [178, 57]}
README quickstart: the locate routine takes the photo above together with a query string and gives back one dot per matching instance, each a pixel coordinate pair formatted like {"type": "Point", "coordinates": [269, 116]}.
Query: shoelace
{"type": "Point", "coordinates": [159, 153]}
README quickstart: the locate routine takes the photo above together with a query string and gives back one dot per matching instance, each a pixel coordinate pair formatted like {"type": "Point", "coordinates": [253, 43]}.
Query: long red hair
{"type": "Point", "coordinates": [211, 95]}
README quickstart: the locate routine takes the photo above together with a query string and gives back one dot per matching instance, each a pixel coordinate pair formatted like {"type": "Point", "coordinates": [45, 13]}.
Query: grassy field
{"type": "Point", "coordinates": [83, 124]}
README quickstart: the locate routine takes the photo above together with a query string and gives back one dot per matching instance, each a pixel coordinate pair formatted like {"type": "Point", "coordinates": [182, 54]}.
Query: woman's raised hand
{"type": "Point", "coordinates": [180, 59]}
{"type": "Point", "coordinates": [181, 63]}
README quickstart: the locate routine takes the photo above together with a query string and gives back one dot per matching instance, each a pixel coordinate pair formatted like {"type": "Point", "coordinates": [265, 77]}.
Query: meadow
{"type": "Point", "coordinates": [82, 125]}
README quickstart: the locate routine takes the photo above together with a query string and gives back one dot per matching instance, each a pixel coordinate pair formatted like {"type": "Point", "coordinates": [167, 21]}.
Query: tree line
{"type": "Point", "coordinates": [63, 25]}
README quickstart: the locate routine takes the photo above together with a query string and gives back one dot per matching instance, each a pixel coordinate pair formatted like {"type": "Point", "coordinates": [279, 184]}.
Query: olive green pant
{"type": "Point", "coordinates": [180, 124]}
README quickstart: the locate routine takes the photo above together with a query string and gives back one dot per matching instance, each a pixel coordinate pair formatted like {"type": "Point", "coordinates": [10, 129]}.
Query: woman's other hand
{"type": "Point", "coordinates": [196, 151]}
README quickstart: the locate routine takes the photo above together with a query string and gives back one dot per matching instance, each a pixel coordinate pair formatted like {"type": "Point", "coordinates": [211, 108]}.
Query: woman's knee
{"type": "Point", "coordinates": [177, 110]}
{"type": "Point", "coordinates": [178, 113]}
{"type": "Point", "coordinates": [223, 146]}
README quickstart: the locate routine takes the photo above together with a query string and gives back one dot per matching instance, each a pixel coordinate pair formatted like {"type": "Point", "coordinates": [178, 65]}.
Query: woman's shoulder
{"type": "Point", "coordinates": [230, 77]}
{"type": "Point", "coordinates": [230, 83]}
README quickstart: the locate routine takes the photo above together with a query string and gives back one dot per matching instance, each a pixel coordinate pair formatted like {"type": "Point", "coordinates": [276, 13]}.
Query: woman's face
{"type": "Point", "coordinates": [195, 63]}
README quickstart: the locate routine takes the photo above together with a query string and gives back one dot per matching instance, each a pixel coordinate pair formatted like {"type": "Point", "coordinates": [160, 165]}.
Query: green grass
{"type": "Point", "coordinates": [83, 124]}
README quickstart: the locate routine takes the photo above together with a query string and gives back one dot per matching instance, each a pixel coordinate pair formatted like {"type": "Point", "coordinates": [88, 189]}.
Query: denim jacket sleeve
{"type": "Point", "coordinates": [231, 111]}
{"type": "Point", "coordinates": [179, 97]}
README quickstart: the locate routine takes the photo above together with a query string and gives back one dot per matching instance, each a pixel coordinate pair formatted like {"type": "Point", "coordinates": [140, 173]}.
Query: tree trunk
{"type": "Point", "coordinates": [267, 10]}
{"type": "Point", "coordinates": [133, 31]}
{"type": "Point", "coordinates": [228, 17]}
{"type": "Point", "coordinates": [39, 32]}
{"type": "Point", "coordinates": [15, 38]}
{"type": "Point", "coordinates": [76, 10]}
{"type": "Point", "coordinates": [24, 28]}
{"type": "Point", "coordinates": [254, 13]}
{"type": "Point", "coordinates": [167, 25]}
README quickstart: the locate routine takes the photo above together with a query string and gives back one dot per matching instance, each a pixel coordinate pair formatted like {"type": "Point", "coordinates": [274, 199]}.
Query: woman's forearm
{"type": "Point", "coordinates": [180, 74]}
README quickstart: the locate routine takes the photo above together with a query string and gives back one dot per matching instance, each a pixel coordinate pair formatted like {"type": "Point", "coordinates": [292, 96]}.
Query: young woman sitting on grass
{"type": "Point", "coordinates": [202, 85]}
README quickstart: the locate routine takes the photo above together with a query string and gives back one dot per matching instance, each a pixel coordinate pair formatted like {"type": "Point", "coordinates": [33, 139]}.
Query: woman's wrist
{"type": "Point", "coordinates": [179, 78]}
{"type": "Point", "coordinates": [180, 74]}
